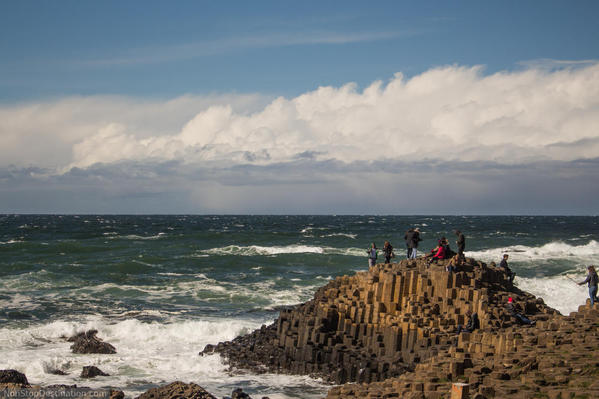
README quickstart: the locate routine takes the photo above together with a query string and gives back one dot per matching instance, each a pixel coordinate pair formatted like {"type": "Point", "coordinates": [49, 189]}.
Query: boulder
{"type": "Point", "coordinates": [116, 394]}
{"type": "Point", "coordinates": [57, 372]}
{"type": "Point", "coordinates": [87, 342]}
{"type": "Point", "coordinates": [239, 394]}
{"type": "Point", "coordinates": [91, 372]}
{"type": "Point", "coordinates": [13, 377]}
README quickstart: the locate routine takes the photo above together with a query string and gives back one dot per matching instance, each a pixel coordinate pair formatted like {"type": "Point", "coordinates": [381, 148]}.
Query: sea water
{"type": "Point", "coordinates": [159, 288]}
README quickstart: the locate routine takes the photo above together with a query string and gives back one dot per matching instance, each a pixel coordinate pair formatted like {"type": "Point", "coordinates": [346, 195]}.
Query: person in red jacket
{"type": "Point", "coordinates": [437, 253]}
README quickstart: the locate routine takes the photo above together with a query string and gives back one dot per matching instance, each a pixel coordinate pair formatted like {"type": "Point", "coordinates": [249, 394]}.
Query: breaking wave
{"type": "Point", "coordinates": [559, 292]}
{"type": "Point", "coordinates": [256, 250]}
{"type": "Point", "coordinates": [147, 354]}
{"type": "Point", "coordinates": [554, 250]}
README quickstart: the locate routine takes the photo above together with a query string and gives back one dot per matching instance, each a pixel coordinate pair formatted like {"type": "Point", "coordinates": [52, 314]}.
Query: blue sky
{"type": "Point", "coordinates": [161, 49]}
{"type": "Point", "coordinates": [282, 107]}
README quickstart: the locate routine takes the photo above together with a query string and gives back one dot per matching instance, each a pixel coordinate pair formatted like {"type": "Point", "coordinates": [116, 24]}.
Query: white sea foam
{"type": "Point", "coordinates": [348, 235]}
{"type": "Point", "coordinates": [310, 228]}
{"type": "Point", "coordinates": [146, 353]}
{"type": "Point", "coordinates": [586, 253]}
{"type": "Point", "coordinates": [256, 250]}
{"type": "Point", "coordinates": [10, 242]}
{"type": "Point", "coordinates": [559, 292]}
{"type": "Point", "coordinates": [20, 301]}
{"type": "Point", "coordinates": [138, 237]}
{"type": "Point", "coordinates": [267, 294]}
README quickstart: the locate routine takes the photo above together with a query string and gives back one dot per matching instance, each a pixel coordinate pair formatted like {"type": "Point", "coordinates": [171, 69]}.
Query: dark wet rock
{"type": "Point", "coordinates": [57, 372]}
{"type": "Point", "coordinates": [239, 394]}
{"type": "Point", "coordinates": [177, 390]}
{"type": "Point", "coordinates": [87, 342]}
{"type": "Point", "coordinates": [13, 377]}
{"type": "Point", "coordinates": [116, 394]}
{"type": "Point", "coordinates": [91, 372]}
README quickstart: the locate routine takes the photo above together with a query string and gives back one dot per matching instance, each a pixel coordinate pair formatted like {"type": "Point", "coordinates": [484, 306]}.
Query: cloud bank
{"type": "Point", "coordinates": [249, 153]}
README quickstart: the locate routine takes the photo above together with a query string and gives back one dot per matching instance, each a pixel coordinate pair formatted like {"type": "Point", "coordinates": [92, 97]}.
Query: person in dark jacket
{"type": "Point", "coordinates": [472, 324]}
{"type": "Point", "coordinates": [503, 264]}
{"type": "Point", "coordinates": [461, 242]}
{"type": "Point", "coordinates": [520, 318]}
{"type": "Point", "coordinates": [592, 280]}
{"type": "Point", "coordinates": [388, 251]}
{"type": "Point", "coordinates": [408, 237]}
{"type": "Point", "coordinates": [412, 238]}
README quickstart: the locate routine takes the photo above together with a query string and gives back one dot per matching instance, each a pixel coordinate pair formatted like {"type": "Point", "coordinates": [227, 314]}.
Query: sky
{"type": "Point", "coordinates": [279, 107]}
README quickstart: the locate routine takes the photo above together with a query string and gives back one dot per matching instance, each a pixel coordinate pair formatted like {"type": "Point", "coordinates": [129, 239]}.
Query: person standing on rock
{"type": "Point", "coordinates": [388, 251]}
{"type": "Point", "coordinates": [503, 264]}
{"type": "Point", "coordinates": [372, 255]}
{"type": "Point", "coordinates": [592, 280]}
{"type": "Point", "coordinates": [461, 241]}
{"type": "Point", "coordinates": [408, 237]}
{"type": "Point", "coordinates": [412, 238]}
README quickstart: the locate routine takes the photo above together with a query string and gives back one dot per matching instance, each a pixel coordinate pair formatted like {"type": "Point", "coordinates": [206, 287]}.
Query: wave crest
{"type": "Point", "coordinates": [553, 250]}
{"type": "Point", "coordinates": [256, 250]}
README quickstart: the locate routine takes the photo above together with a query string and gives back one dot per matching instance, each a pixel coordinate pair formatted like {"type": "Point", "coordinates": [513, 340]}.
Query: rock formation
{"type": "Point", "coordinates": [87, 342]}
{"type": "Point", "coordinates": [392, 331]}
{"type": "Point", "coordinates": [380, 323]}
{"type": "Point", "coordinates": [13, 377]}
{"type": "Point", "coordinates": [554, 359]}
{"type": "Point", "coordinates": [91, 372]}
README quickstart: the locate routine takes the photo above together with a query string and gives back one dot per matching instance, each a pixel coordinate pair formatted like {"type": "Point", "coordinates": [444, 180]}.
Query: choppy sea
{"type": "Point", "coordinates": [159, 288]}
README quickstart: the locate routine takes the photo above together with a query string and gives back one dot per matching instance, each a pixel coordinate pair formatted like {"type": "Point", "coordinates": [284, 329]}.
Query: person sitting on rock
{"type": "Point", "coordinates": [503, 264]}
{"type": "Point", "coordinates": [592, 280]}
{"type": "Point", "coordinates": [472, 324]}
{"type": "Point", "coordinates": [521, 319]}
{"type": "Point", "coordinates": [437, 253]}
{"type": "Point", "coordinates": [454, 264]}
{"type": "Point", "coordinates": [372, 255]}
{"type": "Point", "coordinates": [448, 252]}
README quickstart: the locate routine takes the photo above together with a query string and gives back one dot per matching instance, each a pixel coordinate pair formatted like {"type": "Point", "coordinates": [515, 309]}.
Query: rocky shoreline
{"type": "Point", "coordinates": [391, 332]}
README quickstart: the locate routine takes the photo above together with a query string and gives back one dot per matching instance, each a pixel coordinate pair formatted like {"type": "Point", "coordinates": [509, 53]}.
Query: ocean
{"type": "Point", "coordinates": [159, 288]}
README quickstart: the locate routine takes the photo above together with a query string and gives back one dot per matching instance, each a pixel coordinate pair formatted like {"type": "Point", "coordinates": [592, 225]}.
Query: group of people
{"type": "Point", "coordinates": [412, 238]}
{"type": "Point", "coordinates": [443, 251]}
{"type": "Point", "coordinates": [473, 322]}
{"type": "Point", "coordinates": [373, 255]}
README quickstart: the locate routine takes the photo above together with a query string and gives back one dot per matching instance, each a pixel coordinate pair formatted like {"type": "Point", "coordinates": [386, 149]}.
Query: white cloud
{"type": "Point", "coordinates": [524, 142]}
{"type": "Point", "coordinates": [46, 133]}
{"type": "Point", "coordinates": [449, 113]}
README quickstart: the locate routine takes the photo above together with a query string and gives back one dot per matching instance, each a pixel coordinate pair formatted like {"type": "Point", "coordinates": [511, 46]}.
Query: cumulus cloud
{"type": "Point", "coordinates": [531, 131]}
{"type": "Point", "coordinates": [445, 113]}
{"type": "Point", "coordinates": [45, 133]}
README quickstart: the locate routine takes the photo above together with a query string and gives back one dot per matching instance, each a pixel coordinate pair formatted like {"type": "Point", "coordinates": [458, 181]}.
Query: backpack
{"type": "Point", "coordinates": [594, 280]}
